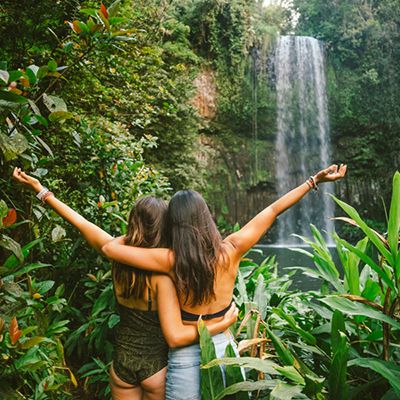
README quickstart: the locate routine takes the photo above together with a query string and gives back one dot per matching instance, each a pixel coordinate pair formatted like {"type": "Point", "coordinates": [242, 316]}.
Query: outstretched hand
{"type": "Point", "coordinates": [21, 177]}
{"type": "Point", "coordinates": [331, 174]}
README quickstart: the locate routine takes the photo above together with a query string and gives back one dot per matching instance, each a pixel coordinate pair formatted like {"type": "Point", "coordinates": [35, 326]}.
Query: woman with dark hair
{"type": "Point", "coordinates": [143, 300]}
{"type": "Point", "coordinates": [204, 267]}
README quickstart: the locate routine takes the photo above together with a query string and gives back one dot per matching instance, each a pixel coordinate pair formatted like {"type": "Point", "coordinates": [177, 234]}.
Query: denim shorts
{"type": "Point", "coordinates": [183, 374]}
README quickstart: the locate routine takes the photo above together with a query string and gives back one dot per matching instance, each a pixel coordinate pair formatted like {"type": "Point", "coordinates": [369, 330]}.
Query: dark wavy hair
{"type": "Point", "coordinates": [145, 227]}
{"type": "Point", "coordinates": [192, 234]}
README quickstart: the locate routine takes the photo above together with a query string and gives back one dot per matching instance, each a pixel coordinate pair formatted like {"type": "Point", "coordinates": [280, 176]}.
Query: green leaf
{"type": "Point", "coordinates": [30, 361]}
{"type": "Point", "coordinates": [12, 97]}
{"type": "Point", "coordinates": [338, 387]}
{"type": "Point", "coordinates": [234, 374]}
{"type": "Point", "coordinates": [12, 261]}
{"type": "Point", "coordinates": [349, 307]}
{"type": "Point", "coordinates": [42, 72]}
{"type": "Point", "coordinates": [89, 11]}
{"type": "Point", "coordinates": [3, 211]}
{"type": "Point", "coordinates": [211, 378]}
{"type": "Point", "coordinates": [380, 271]}
{"type": "Point", "coordinates": [113, 320]}
{"type": "Point", "coordinates": [308, 337]}
{"type": "Point", "coordinates": [12, 146]}
{"type": "Point", "coordinates": [33, 342]}
{"type": "Point", "coordinates": [284, 391]}
{"type": "Point", "coordinates": [44, 286]}
{"type": "Point", "coordinates": [10, 244]}
{"type": "Point", "coordinates": [387, 369]}
{"type": "Point", "coordinates": [291, 373]}
{"type": "Point", "coordinates": [265, 366]}
{"type": "Point", "coordinates": [103, 301]}
{"type": "Point", "coordinates": [338, 326]}
{"type": "Point", "coordinates": [29, 268]}
{"type": "Point", "coordinates": [31, 73]}
{"type": "Point", "coordinates": [283, 353]}
{"type": "Point", "coordinates": [52, 66]}
{"type": "Point", "coordinates": [114, 8]}
{"type": "Point", "coordinates": [57, 328]}
{"type": "Point", "coordinates": [352, 213]}
{"type": "Point", "coordinates": [394, 217]}
{"type": "Point", "coordinates": [246, 386]}
{"type": "Point", "coordinates": [14, 75]}
{"type": "Point", "coordinates": [58, 116]}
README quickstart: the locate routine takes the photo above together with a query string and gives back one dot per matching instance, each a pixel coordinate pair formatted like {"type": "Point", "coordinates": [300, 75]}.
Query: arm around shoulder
{"type": "Point", "coordinates": [150, 259]}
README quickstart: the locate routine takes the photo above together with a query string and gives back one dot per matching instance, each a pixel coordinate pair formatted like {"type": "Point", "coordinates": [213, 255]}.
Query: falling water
{"type": "Point", "coordinates": [302, 144]}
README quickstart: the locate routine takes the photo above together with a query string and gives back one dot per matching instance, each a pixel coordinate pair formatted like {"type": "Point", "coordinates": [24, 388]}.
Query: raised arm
{"type": "Point", "coordinates": [94, 235]}
{"type": "Point", "coordinates": [176, 333]}
{"type": "Point", "coordinates": [244, 239]}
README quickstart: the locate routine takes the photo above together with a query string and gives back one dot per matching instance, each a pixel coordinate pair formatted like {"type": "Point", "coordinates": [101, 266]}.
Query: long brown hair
{"type": "Point", "coordinates": [145, 226]}
{"type": "Point", "coordinates": [193, 236]}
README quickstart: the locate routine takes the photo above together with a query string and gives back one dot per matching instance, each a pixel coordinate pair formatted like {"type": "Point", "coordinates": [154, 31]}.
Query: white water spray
{"type": "Point", "coordinates": [303, 143]}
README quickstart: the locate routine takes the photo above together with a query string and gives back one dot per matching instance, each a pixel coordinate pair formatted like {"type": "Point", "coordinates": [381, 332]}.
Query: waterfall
{"type": "Point", "coordinates": [302, 143]}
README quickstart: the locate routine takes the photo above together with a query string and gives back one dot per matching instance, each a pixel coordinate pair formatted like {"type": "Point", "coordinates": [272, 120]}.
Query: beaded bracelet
{"type": "Point", "coordinates": [46, 196]}
{"type": "Point", "coordinates": [313, 183]}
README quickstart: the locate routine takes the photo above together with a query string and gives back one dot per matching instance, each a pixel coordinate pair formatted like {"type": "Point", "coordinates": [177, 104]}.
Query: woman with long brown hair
{"type": "Point", "coordinates": [204, 267]}
{"type": "Point", "coordinates": [144, 300]}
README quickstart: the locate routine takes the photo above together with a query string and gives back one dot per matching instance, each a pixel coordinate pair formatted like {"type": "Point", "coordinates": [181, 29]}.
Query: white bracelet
{"type": "Point", "coordinates": [42, 193]}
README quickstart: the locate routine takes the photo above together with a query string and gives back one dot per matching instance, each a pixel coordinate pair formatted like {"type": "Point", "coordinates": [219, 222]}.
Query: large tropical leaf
{"type": "Point", "coordinates": [212, 383]}
{"type": "Point", "coordinates": [366, 229]}
{"type": "Point", "coordinates": [266, 366]}
{"type": "Point", "coordinates": [246, 386]}
{"type": "Point", "coordinates": [282, 351]}
{"type": "Point", "coordinates": [349, 307]}
{"type": "Point", "coordinates": [364, 257]}
{"type": "Point", "coordinates": [307, 337]}
{"type": "Point", "coordinates": [233, 373]}
{"type": "Point", "coordinates": [338, 388]}
{"type": "Point", "coordinates": [387, 369]}
{"type": "Point", "coordinates": [284, 391]}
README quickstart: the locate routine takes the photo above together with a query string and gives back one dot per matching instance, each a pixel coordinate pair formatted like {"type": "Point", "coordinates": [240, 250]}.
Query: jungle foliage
{"type": "Point", "coordinates": [95, 100]}
{"type": "Point", "coordinates": [340, 342]}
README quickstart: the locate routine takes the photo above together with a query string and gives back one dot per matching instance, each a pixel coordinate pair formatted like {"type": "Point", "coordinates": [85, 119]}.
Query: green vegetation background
{"type": "Point", "coordinates": [111, 118]}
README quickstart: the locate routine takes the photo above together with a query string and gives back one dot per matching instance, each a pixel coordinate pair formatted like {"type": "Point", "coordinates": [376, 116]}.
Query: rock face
{"type": "Point", "coordinates": [238, 170]}
{"type": "Point", "coordinates": [204, 100]}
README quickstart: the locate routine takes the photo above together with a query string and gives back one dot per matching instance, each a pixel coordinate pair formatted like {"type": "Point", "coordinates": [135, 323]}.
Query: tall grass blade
{"type": "Point", "coordinates": [394, 216]}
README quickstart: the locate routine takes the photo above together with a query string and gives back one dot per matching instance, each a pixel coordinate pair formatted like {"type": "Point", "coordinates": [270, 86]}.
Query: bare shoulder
{"type": "Point", "coordinates": [158, 279]}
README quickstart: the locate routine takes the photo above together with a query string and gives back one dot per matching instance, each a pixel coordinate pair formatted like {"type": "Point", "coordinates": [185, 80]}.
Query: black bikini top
{"type": "Point", "coordinates": [188, 316]}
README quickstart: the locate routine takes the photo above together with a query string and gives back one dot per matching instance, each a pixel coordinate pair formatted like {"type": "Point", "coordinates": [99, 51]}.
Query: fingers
{"type": "Point", "coordinates": [17, 174]}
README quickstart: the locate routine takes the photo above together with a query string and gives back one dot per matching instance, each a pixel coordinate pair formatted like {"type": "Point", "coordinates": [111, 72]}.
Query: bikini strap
{"type": "Point", "coordinates": [149, 299]}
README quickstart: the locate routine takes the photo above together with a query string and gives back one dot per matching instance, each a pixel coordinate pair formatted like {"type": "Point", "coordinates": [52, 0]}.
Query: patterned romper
{"type": "Point", "coordinates": [140, 349]}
